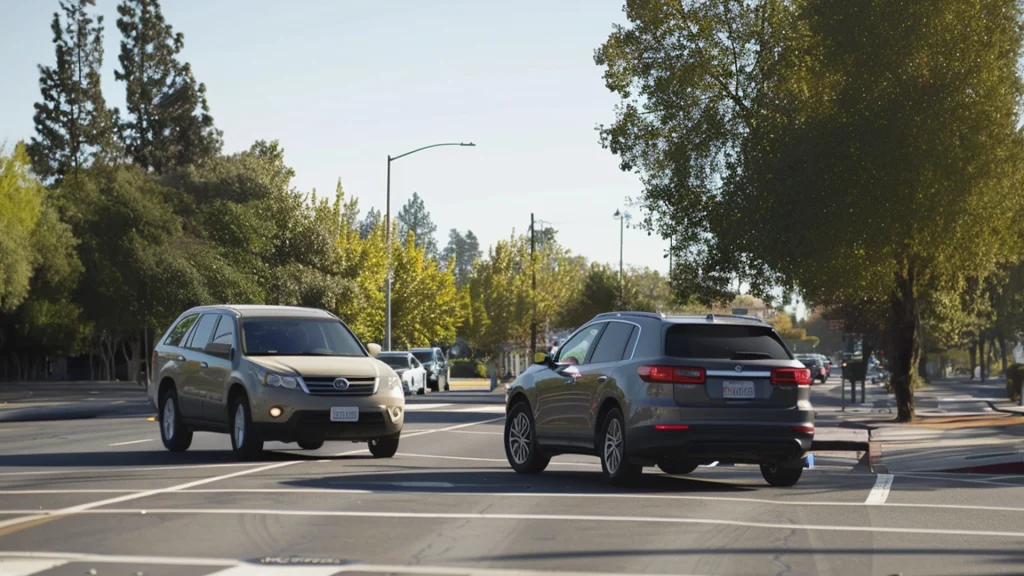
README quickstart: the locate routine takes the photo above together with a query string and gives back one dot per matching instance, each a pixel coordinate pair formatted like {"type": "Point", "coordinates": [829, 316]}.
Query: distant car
{"type": "Point", "coordinates": [816, 366]}
{"type": "Point", "coordinates": [272, 373]}
{"type": "Point", "coordinates": [437, 367]}
{"type": "Point", "coordinates": [641, 389]}
{"type": "Point", "coordinates": [408, 368]}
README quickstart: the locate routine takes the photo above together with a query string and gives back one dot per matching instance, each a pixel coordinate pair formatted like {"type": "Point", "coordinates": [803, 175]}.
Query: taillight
{"type": "Point", "coordinates": [791, 377]}
{"type": "Point", "coordinates": [671, 374]}
{"type": "Point", "coordinates": [804, 429]}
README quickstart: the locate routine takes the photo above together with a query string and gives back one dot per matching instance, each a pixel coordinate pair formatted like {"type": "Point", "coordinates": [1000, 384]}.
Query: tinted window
{"type": "Point", "coordinates": [426, 356]}
{"type": "Point", "coordinates": [298, 337]}
{"type": "Point", "coordinates": [724, 342]}
{"type": "Point", "coordinates": [396, 362]}
{"type": "Point", "coordinates": [204, 331]}
{"type": "Point", "coordinates": [575, 350]}
{"type": "Point", "coordinates": [176, 334]}
{"type": "Point", "coordinates": [225, 331]}
{"type": "Point", "coordinates": [612, 344]}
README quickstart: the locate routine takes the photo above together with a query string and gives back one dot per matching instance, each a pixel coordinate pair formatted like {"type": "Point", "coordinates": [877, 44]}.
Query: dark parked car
{"type": "Point", "coordinates": [436, 364]}
{"type": "Point", "coordinates": [639, 389]}
{"type": "Point", "coordinates": [819, 371]}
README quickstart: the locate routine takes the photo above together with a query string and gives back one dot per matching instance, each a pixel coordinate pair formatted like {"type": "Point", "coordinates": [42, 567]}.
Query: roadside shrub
{"type": "Point", "coordinates": [465, 368]}
{"type": "Point", "coordinates": [1014, 380]}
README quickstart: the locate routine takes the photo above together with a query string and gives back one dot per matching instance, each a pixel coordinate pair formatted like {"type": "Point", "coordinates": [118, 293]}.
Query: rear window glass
{"type": "Point", "coordinates": [724, 342]}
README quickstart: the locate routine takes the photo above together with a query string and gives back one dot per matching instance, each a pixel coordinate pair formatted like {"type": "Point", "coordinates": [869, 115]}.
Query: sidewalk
{"type": "Point", "coordinates": [960, 426]}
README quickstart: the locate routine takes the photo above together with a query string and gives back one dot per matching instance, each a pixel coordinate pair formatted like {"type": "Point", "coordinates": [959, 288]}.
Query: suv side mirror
{"type": "Point", "coordinates": [220, 350]}
{"type": "Point", "coordinates": [373, 349]}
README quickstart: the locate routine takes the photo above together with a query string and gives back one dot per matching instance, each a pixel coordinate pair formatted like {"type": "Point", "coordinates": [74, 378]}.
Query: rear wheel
{"type": "Point", "coordinates": [521, 447]}
{"type": "Point", "coordinates": [175, 434]}
{"type": "Point", "coordinates": [383, 447]}
{"type": "Point", "coordinates": [311, 444]}
{"type": "Point", "coordinates": [612, 448]}
{"type": "Point", "coordinates": [244, 440]}
{"type": "Point", "coordinates": [677, 467]}
{"type": "Point", "coordinates": [423, 387]}
{"type": "Point", "coordinates": [780, 475]}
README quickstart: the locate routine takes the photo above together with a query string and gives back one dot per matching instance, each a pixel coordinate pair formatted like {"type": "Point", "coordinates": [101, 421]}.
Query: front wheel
{"type": "Point", "coordinates": [173, 432]}
{"type": "Point", "coordinates": [244, 440]}
{"type": "Point", "coordinates": [612, 449]}
{"type": "Point", "coordinates": [780, 476]}
{"type": "Point", "coordinates": [521, 447]}
{"type": "Point", "coordinates": [423, 387]}
{"type": "Point", "coordinates": [383, 447]}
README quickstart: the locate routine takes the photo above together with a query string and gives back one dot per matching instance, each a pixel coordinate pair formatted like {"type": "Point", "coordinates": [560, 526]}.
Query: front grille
{"type": "Point", "coordinates": [356, 387]}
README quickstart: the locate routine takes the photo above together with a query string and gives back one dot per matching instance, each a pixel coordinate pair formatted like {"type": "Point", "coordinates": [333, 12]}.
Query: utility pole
{"type": "Point", "coordinates": [533, 267]}
{"type": "Point", "coordinates": [387, 291]}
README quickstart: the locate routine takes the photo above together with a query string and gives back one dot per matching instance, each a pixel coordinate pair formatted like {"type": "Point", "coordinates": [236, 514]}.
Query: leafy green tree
{"type": "Point", "coordinates": [169, 123]}
{"type": "Point", "coordinates": [425, 304]}
{"type": "Point", "coordinates": [21, 198]}
{"type": "Point", "coordinates": [464, 250]}
{"type": "Point", "coordinates": [370, 222]}
{"type": "Point", "coordinates": [415, 219]}
{"type": "Point", "coordinates": [73, 124]}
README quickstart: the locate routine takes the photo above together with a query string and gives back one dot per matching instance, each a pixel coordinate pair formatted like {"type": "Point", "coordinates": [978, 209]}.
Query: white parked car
{"type": "Point", "coordinates": [408, 368]}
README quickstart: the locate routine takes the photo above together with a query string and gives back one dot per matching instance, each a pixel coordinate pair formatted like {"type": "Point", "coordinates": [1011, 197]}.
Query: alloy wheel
{"type": "Point", "coordinates": [613, 446]}
{"type": "Point", "coordinates": [240, 425]}
{"type": "Point", "coordinates": [168, 419]}
{"type": "Point", "coordinates": [519, 438]}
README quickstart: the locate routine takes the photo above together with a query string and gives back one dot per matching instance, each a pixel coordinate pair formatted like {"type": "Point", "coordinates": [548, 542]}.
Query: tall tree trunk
{"type": "Point", "coordinates": [1002, 351]}
{"type": "Point", "coordinates": [92, 365]}
{"type": "Point", "coordinates": [974, 356]}
{"type": "Point", "coordinates": [132, 360]}
{"type": "Point", "coordinates": [981, 356]}
{"type": "Point", "coordinates": [906, 347]}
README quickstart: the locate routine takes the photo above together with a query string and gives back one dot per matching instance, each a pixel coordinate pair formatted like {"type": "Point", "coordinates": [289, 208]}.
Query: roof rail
{"type": "Point", "coordinates": [627, 313]}
{"type": "Point", "coordinates": [758, 319]}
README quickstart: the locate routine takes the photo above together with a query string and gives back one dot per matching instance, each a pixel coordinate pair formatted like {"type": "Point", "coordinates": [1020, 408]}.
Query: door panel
{"type": "Point", "coordinates": [608, 351]}
{"type": "Point", "coordinates": [214, 380]}
{"type": "Point", "coordinates": [191, 387]}
{"type": "Point", "coordinates": [558, 392]}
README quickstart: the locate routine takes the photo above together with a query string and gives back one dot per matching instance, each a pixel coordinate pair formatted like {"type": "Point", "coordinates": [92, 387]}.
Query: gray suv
{"type": "Point", "coordinates": [639, 389]}
{"type": "Point", "coordinates": [273, 373]}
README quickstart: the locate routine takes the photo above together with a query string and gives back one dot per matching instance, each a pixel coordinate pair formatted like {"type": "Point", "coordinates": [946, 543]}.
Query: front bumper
{"type": "Point", "coordinates": [308, 417]}
{"type": "Point", "coordinates": [724, 442]}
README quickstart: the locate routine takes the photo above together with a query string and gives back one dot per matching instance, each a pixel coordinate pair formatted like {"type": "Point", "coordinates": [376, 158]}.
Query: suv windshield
{"type": "Point", "coordinates": [424, 356]}
{"type": "Point", "coordinates": [724, 342]}
{"type": "Point", "coordinates": [298, 337]}
{"type": "Point", "coordinates": [397, 362]}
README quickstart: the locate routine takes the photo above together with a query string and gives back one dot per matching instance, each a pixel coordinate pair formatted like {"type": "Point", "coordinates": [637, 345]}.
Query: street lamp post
{"type": "Point", "coordinates": [387, 236]}
{"type": "Point", "coordinates": [622, 217]}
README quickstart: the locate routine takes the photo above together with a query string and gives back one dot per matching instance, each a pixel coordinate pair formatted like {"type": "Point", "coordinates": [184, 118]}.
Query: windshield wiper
{"type": "Point", "coordinates": [751, 356]}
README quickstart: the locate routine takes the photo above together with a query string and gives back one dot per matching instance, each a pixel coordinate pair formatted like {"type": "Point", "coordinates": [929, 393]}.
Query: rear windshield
{"type": "Point", "coordinates": [298, 337]}
{"type": "Point", "coordinates": [724, 342]}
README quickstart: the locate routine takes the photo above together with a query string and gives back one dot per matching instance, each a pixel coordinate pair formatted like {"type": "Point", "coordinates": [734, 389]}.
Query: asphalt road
{"type": "Point", "coordinates": [101, 496]}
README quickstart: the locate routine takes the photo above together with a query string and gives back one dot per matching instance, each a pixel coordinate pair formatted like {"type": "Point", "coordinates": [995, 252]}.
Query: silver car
{"type": "Point", "coordinates": [273, 373]}
{"type": "Point", "coordinates": [640, 389]}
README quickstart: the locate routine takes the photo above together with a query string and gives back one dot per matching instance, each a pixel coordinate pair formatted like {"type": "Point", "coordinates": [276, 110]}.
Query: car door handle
{"type": "Point", "coordinates": [602, 379]}
{"type": "Point", "coordinates": [204, 365]}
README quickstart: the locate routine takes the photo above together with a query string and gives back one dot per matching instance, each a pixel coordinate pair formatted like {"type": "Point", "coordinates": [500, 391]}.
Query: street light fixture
{"type": "Point", "coordinates": [387, 236]}
{"type": "Point", "coordinates": [622, 217]}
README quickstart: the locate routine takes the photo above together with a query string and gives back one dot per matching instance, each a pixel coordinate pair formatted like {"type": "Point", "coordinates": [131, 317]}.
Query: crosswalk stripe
{"type": "Point", "coordinates": [27, 566]}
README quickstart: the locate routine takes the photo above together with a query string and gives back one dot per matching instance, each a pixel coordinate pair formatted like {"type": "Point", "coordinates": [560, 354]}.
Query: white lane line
{"type": "Point", "coordinates": [450, 428]}
{"type": "Point", "coordinates": [80, 508]}
{"type": "Point", "coordinates": [496, 460]}
{"type": "Point", "coordinates": [116, 559]}
{"type": "Point", "coordinates": [282, 570]}
{"type": "Point", "coordinates": [519, 495]}
{"type": "Point", "coordinates": [880, 491]}
{"type": "Point", "coordinates": [417, 407]}
{"type": "Point", "coordinates": [135, 469]}
{"type": "Point", "coordinates": [392, 515]}
{"type": "Point", "coordinates": [482, 410]}
{"type": "Point", "coordinates": [131, 442]}
{"type": "Point", "coordinates": [28, 566]}
{"type": "Point", "coordinates": [477, 432]}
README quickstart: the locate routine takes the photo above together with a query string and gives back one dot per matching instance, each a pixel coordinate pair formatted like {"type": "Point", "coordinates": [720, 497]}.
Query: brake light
{"type": "Point", "coordinates": [671, 427]}
{"type": "Point", "coordinates": [807, 429]}
{"type": "Point", "coordinates": [791, 376]}
{"type": "Point", "coordinates": [671, 374]}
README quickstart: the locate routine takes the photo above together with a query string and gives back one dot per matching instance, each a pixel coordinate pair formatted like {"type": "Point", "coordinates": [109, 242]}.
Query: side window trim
{"type": "Point", "coordinates": [217, 329]}
{"type": "Point", "coordinates": [634, 329]}
{"type": "Point", "coordinates": [187, 340]}
{"type": "Point", "coordinates": [213, 331]}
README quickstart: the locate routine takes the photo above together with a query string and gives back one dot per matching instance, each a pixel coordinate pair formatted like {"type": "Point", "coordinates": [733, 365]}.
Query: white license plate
{"type": "Point", "coordinates": [344, 414]}
{"type": "Point", "coordinates": [737, 389]}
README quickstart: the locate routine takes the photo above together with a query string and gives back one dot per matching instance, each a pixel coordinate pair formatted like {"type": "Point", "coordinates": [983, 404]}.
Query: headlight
{"type": "Point", "coordinates": [393, 382]}
{"type": "Point", "coordinates": [278, 381]}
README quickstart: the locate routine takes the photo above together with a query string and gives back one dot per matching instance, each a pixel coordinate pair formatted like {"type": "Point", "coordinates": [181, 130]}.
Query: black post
{"type": "Point", "coordinates": [387, 236]}
{"type": "Point", "coordinates": [533, 266]}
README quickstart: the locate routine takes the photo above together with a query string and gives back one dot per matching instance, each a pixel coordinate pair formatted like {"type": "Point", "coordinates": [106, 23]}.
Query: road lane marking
{"type": "Point", "coordinates": [135, 469]}
{"type": "Point", "coordinates": [482, 410]}
{"type": "Point", "coordinates": [395, 515]}
{"type": "Point", "coordinates": [477, 432]}
{"type": "Point", "coordinates": [880, 491]}
{"type": "Point", "coordinates": [282, 570]}
{"type": "Point", "coordinates": [450, 428]}
{"type": "Point", "coordinates": [417, 407]}
{"type": "Point", "coordinates": [497, 460]}
{"type": "Point", "coordinates": [28, 566]}
{"type": "Point", "coordinates": [130, 442]}
{"type": "Point", "coordinates": [15, 524]}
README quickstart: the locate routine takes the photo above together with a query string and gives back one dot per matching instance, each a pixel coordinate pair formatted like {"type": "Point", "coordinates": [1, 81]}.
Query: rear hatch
{"type": "Point", "coordinates": [734, 365]}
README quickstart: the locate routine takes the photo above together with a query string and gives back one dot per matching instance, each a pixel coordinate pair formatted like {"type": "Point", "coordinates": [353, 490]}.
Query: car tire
{"type": "Point", "coordinates": [781, 476]}
{"type": "Point", "coordinates": [383, 447]}
{"type": "Point", "coordinates": [311, 444]}
{"type": "Point", "coordinates": [176, 436]}
{"type": "Point", "coordinates": [423, 388]}
{"type": "Point", "coordinates": [677, 467]}
{"type": "Point", "coordinates": [245, 442]}
{"type": "Point", "coordinates": [612, 450]}
{"type": "Point", "coordinates": [521, 447]}
{"type": "Point", "coordinates": [447, 382]}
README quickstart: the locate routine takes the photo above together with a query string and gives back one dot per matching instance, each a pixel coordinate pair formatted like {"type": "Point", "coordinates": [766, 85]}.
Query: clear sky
{"type": "Point", "coordinates": [344, 83]}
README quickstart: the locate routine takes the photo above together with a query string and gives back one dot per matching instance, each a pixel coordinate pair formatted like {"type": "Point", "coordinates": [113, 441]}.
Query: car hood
{"type": "Point", "coordinates": [320, 366]}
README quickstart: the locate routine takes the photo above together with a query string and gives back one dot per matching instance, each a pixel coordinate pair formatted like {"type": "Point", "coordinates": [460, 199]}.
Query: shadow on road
{"type": "Point", "coordinates": [499, 480]}
{"type": "Point", "coordinates": [153, 458]}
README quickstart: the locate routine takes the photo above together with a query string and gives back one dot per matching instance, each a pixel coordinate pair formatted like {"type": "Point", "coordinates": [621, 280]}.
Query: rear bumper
{"type": "Point", "coordinates": [316, 425]}
{"type": "Point", "coordinates": [724, 442]}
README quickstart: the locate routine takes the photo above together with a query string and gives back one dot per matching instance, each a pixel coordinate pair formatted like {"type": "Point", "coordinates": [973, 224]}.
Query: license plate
{"type": "Point", "coordinates": [737, 389]}
{"type": "Point", "coordinates": [344, 414]}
